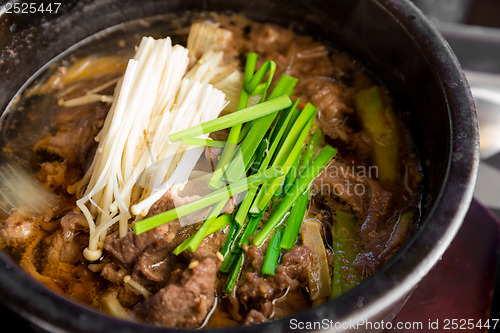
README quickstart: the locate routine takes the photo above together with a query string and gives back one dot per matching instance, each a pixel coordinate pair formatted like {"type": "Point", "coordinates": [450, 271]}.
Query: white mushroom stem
{"type": "Point", "coordinates": [155, 98]}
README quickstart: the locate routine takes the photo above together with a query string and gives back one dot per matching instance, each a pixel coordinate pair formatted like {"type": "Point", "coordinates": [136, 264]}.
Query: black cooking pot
{"type": "Point", "coordinates": [390, 37]}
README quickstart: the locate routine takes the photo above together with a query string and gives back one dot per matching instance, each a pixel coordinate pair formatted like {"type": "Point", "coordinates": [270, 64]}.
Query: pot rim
{"type": "Point", "coordinates": [463, 157]}
{"type": "Point", "coordinates": [463, 160]}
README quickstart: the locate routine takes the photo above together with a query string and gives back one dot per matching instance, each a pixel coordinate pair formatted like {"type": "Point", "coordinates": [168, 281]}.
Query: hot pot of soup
{"type": "Point", "coordinates": [227, 165]}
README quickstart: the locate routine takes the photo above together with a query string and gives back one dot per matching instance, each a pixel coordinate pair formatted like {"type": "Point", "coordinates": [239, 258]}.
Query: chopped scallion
{"type": "Point", "coordinates": [211, 225]}
{"type": "Point", "coordinates": [272, 253]}
{"type": "Point", "coordinates": [234, 134]}
{"type": "Point", "coordinates": [235, 273]}
{"type": "Point", "coordinates": [229, 240]}
{"type": "Point", "coordinates": [244, 206]}
{"type": "Point", "coordinates": [312, 148]}
{"type": "Point", "coordinates": [250, 229]}
{"type": "Point", "coordinates": [208, 200]}
{"type": "Point", "coordinates": [235, 118]}
{"type": "Point", "coordinates": [255, 82]}
{"type": "Point", "coordinates": [247, 201]}
{"type": "Point", "coordinates": [295, 221]}
{"type": "Point", "coordinates": [257, 132]}
{"type": "Point", "coordinates": [302, 183]}
{"type": "Point", "coordinates": [203, 142]}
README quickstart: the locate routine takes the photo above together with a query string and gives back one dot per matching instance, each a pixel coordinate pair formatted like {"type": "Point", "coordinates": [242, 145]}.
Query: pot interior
{"type": "Point", "coordinates": [391, 39]}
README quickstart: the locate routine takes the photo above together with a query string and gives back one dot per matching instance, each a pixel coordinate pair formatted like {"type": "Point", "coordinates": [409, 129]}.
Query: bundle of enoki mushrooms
{"type": "Point", "coordinates": [165, 89]}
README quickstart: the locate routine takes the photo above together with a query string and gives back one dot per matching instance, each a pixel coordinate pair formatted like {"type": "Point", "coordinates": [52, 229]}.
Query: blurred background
{"type": "Point", "coordinates": [472, 28]}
